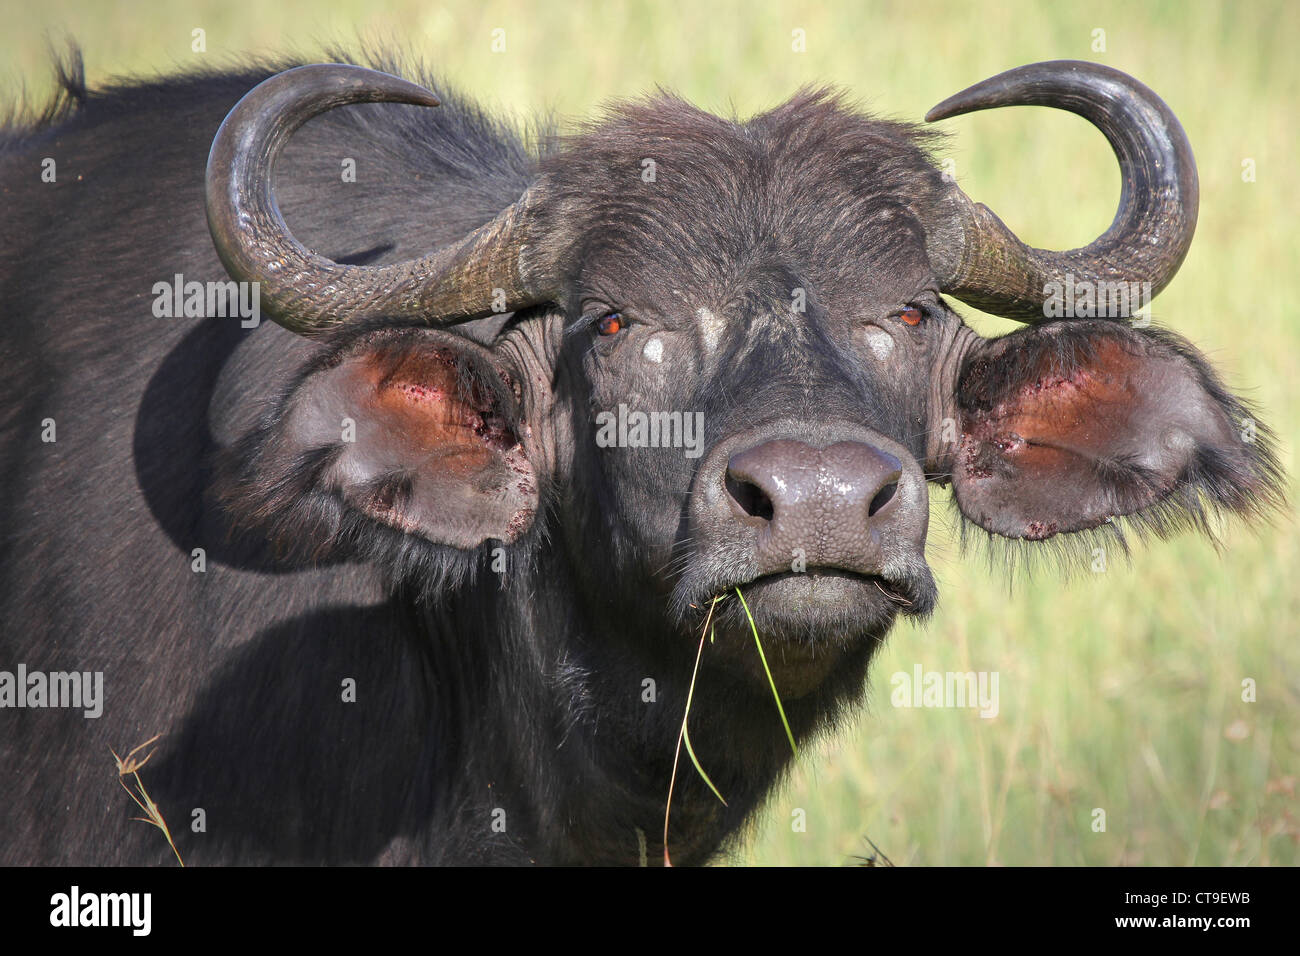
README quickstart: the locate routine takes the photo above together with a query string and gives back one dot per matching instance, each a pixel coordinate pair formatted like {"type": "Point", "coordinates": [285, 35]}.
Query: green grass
{"type": "Point", "coordinates": [1119, 691]}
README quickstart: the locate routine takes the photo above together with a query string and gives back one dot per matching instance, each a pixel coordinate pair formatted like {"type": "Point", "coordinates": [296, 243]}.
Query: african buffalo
{"type": "Point", "coordinates": [419, 571]}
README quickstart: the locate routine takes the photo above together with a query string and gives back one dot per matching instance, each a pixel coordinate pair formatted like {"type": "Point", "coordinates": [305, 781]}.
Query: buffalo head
{"type": "Point", "coordinates": [710, 356]}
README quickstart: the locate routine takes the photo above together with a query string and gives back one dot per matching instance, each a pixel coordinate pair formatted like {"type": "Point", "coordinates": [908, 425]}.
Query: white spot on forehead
{"type": "Point", "coordinates": [880, 342]}
{"type": "Point", "coordinates": [710, 328]}
{"type": "Point", "coordinates": [654, 350]}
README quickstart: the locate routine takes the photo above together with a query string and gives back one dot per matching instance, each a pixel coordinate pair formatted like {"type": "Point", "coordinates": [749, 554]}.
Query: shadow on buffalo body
{"type": "Point", "coordinates": [285, 769]}
{"type": "Point", "coordinates": [173, 441]}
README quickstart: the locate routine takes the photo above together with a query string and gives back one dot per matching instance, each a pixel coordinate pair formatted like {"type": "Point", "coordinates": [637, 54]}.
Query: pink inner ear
{"type": "Point", "coordinates": [1059, 436]}
{"type": "Point", "coordinates": [417, 430]}
{"type": "Point", "coordinates": [426, 397]}
{"type": "Point", "coordinates": [435, 452]}
{"type": "Point", "coordinates": [1046, 425]}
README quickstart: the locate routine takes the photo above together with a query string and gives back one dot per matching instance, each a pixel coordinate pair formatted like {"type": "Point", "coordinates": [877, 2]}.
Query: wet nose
{"type": "Point", "coordinates": [827, 506]}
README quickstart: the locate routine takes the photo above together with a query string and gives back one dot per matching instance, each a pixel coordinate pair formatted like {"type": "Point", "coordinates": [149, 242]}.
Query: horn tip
{"type": "Point", "coordinates": [953, 106]}
{"type": "Point", "coordinates": [400, 90]}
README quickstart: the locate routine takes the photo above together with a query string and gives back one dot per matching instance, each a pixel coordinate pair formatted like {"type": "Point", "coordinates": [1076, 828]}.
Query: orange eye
{"type": "Point", "coordinates": [610, 324]}
{"type": "Point", "coordinates": [911, 315]}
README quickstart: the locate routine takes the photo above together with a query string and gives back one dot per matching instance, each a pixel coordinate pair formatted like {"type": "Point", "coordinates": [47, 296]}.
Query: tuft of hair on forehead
{"type": "Point", "coordinates": [807, 177]}
{"type": "Point", "coordinates": [816, 120]}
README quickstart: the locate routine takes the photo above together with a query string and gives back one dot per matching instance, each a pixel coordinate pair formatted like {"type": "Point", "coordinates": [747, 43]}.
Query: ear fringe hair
{"type": "Point", "coordinates": [307, 525]}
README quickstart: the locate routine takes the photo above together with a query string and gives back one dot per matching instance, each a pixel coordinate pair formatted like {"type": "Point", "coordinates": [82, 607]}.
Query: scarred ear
{"type": "Point", "coordinates": [415, 429]}
{"type": "Point", "coordinates": [1061, 427]}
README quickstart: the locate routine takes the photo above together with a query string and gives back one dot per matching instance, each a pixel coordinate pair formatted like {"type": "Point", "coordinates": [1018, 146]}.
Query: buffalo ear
{"type": "Point", "coordinates": [1062, 427]}
{"type": "Point", "coordinates": [413, 428]}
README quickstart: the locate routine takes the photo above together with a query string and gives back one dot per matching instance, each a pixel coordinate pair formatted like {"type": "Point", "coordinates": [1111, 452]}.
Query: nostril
{"type": "Point", "coordinates": [751, 498]}
{"type": "Point", "coordinates": [883, 497]}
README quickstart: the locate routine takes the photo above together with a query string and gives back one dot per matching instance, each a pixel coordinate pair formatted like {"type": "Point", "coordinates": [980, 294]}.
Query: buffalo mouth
{"type": "Point", "coordinates": [809, 618]}
{"type": "Point", "coordinates": [821, 603]}
{"type": "Point", "coordinates": [810, 624]}
{"type": "Point", "coordinates": [819, 591]}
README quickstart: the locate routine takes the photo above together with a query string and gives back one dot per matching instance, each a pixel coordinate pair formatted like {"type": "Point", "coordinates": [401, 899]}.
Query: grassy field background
{"type": "Point", "coordinates": [1119, 690]}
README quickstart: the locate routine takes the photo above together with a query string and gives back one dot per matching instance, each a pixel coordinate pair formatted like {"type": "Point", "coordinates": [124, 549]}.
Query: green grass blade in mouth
{"type": "Point", "coordinates": [684, 737]}
{"type": "Point", "coordinates": [767, 670]}
{"type": "Point", "coordinates": [686, 734]}
{"type": "Point", "coordinates": [690, 752]}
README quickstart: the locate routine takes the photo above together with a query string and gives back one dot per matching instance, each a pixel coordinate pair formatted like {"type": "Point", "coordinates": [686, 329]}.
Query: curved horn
{"type": "Point", "coordinates": [308, 293]}
{"type": "Point", "coordinates": [980, 260]}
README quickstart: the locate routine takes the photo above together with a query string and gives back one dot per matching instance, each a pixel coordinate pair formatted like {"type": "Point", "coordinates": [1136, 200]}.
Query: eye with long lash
{"type": "Point", "coordinates": [610, 323]}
